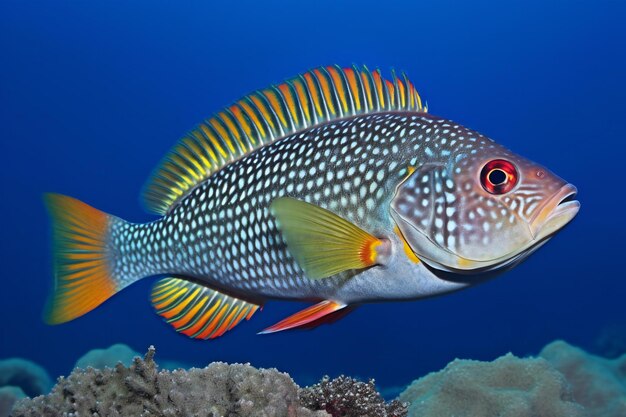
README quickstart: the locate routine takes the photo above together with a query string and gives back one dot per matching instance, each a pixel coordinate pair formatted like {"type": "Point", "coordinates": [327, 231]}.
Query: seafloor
{"type": "Point", "coordinates": [561, 381]}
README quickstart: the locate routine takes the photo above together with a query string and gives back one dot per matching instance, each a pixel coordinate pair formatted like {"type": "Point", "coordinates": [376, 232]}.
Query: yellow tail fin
{"type": "Point", "coordinates": [82, 277]}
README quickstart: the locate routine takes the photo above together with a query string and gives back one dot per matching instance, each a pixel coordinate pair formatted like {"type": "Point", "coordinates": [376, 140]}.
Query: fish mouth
{"type": "Point", "coordinates": [556, 213]}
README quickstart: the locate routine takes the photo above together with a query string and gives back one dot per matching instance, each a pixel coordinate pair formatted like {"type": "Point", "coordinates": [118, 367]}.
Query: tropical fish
{"type": "Point", "coordinates": [335, 187]}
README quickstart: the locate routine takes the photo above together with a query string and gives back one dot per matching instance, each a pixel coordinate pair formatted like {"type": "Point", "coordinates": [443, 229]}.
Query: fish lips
{"type": "Point", "coordinates": [559, 210]}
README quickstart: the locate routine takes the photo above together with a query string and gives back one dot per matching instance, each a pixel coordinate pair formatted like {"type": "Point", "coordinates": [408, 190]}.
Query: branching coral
{"type": "Point", "coordinates": [347, 397]}
{"type": "Point", "coordinates": [563, 382]}
{"type": "Point", "coordinates": [143, 391]}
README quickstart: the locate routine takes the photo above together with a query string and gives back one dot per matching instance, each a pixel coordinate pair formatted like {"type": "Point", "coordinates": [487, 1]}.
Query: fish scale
{"type": "Point", "coordinates": [227, 236]}
{"type": "Point", "coordinates": [335, 186]}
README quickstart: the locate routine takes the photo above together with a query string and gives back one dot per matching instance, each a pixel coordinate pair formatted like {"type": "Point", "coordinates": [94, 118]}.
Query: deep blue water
{"type": "Point", "coordinates": [92, 95]}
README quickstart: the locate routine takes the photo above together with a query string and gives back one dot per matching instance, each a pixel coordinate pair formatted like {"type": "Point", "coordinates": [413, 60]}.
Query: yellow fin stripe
{"type": "Point", "coordinates": [241, 120]}
{"type": "Point", "coordinates": [366, 79]}
{"type": "Point", "coordinates": [275, 105]}
{"type": "Point", "coordinates": [314, 97]}
{"type": "Point", "coordinates": [354, 88]}
{"type": "Point", "coordinates": [303, 98]}
{"type": "Point", "coordinates": [326, 91]}
{"type": "Point", "coordinates": [292, 106]}
{"type": "Point", "coordinates": [339, 85]}
{"type": "Point", "coordinates": [232, 130]}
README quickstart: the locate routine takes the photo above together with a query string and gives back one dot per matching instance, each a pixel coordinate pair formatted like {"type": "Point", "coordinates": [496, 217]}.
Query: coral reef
{"type": "Point", "coordinates": [562, 381]}
{"type": "Point", "coordinates": [347, 397]}
{"type": "Point", "coordinates": [506, 387]}
{"type": "Point", "coordinates": [141, 390]}
{"type": "Point", "coordinates": [598, 384]}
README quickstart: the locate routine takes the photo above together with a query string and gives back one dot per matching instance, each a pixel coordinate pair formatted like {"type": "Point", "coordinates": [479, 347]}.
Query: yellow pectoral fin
{"type": "Point", "coordinates": [323, 243]}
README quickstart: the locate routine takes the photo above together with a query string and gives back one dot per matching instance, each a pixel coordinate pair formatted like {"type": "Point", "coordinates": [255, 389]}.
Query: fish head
{"type": "Point", "coordinates": [483, 208]}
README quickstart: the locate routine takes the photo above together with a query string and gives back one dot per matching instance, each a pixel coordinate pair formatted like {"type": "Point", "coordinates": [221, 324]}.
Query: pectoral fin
{"type": "Point", "coordinates": [319, 313]}
{"type": "Point", "coordinates": [198, 311]}
{"type": "Point", "coordinates": [323, 243]}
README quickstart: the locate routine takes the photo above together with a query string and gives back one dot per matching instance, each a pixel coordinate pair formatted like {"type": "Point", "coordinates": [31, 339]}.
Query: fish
{"type": "Point", "coordinates": [336, 187]}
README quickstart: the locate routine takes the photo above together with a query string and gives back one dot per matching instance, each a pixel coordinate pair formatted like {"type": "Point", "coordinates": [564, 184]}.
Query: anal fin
{"type": "Point", "coordinates": [322, 312]}
{"type": "Point", "coordinates": [198, 311]}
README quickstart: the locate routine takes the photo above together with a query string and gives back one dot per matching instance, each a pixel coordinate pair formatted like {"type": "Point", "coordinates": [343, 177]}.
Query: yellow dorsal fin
{"type": "Point", "coordinates": [314, 97]}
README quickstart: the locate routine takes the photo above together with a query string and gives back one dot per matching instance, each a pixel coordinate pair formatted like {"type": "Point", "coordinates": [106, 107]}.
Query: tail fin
{"type": "Point", "coordinates": [82, 273]}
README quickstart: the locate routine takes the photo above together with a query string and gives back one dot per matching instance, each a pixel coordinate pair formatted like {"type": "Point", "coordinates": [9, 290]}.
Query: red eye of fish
{"type": "Point", "coordinates": [498, 176]}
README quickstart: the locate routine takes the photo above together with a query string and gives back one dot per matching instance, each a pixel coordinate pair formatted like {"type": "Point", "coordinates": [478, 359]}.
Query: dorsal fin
{"type": "Point", "coordinates": [316, 96]}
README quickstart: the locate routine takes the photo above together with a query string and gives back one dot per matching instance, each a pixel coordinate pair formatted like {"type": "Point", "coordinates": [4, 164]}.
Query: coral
{"type": "Point", "coordinates": [141, 390]}
{"type": "Point", "coordinates": [8, 396]}
{"type": "Point", "coordinates": [347, 397]}
{"type": "Point", "coordinates": [102, 358]}
{"type": "Point", "coordinates": [563, 381]}
{"type": "Point", "coordinates": [598, 384]}
{"type": "Point", "coordinates": [27, 375]}
{"type": "Point", "coordinates": [506, 387]}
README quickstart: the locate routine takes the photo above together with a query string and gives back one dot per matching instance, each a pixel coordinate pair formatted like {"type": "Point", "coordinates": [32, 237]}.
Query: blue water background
{"type": "Point", "coordinates": [93, 94]}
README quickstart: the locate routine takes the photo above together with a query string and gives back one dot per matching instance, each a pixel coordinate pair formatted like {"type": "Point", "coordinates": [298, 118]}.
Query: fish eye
{"type": "Point", "coordinates": [498, 176]}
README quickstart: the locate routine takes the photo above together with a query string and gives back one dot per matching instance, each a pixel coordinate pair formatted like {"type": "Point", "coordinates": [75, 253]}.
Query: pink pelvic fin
{"type": "Point", "coordinates": [316, 314]}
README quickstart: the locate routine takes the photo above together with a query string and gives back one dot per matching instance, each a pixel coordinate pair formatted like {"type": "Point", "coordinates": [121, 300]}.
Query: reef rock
{"type": "Point", "coordinates": [141, 390]}
{"type": "Point", "coordinates": [598, 384]}
{"type": "Point", "coordinates": [506, 387]}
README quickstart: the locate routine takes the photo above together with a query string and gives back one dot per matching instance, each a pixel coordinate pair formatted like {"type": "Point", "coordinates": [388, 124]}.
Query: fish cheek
{"type": "Point", "coordinates": [414, 208]}
{"type": "Point", "coordinates": [425, 249]}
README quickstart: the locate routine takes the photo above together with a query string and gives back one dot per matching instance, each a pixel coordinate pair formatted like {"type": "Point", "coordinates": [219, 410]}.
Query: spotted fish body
{"type": "Point", "coordinates": [223, 232]}
{"type": "Point", "coordinates": [334, 187]}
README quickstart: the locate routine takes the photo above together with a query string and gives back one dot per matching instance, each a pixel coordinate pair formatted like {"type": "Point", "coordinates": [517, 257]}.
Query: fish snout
{"type": "Point", "coordinates": [558, 210]}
